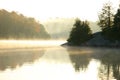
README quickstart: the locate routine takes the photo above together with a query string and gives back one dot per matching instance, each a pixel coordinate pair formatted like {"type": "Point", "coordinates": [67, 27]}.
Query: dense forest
{"type": "Point", "coordinates": [18, 26]}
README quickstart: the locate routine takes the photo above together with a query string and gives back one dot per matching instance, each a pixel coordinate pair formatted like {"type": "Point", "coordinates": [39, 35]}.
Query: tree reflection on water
{"type": "Point", "coordinates": [110, 61]}
{"type": "Point", "coordinates": [11, 58]}
{"type": "Point", "coordinates": [79, 58]}
{"type": "Point", "coordinates": [108, 57]}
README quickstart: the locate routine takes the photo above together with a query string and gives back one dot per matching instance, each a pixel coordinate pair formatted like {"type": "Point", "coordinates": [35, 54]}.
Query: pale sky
{"type": "Point", "coordinates": [44, 9]}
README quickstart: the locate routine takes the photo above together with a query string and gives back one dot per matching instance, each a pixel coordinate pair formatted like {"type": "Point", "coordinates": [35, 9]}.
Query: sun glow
{"type": "Point", "coordinates": [44, 9]}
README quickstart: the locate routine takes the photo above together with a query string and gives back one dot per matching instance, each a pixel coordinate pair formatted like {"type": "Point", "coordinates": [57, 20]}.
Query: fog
{"type": "Point", "coordinates": [59, 28]}
{"type": "Point", "coordinates": [21, 44]}
{"type": "Point", "coordinates": [17, 26]}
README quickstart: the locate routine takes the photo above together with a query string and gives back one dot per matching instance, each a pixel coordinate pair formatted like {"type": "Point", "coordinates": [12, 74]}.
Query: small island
{"type": "Point", "coordinates": [97, 41]}
{"type": "Point", "coordinates": [109, 36]}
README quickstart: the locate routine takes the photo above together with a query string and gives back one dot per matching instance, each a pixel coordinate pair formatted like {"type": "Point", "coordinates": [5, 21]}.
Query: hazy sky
{"type": "Point", "coordinates": [44, 9]}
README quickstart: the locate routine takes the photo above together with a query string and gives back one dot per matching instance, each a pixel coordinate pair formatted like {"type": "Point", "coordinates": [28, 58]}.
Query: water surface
{"type": "Point", "coordinates": [60, 63]}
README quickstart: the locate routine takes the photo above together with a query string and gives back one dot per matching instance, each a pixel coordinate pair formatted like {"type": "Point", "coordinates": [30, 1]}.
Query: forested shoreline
{"type": "Point", "coordinates": [109, 36]}
{"type": "Point", "coordinates": [18, 26]}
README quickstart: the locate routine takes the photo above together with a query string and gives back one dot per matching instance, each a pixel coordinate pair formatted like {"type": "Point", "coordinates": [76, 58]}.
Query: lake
{"type": "Point", "coordinates": [28, 61]}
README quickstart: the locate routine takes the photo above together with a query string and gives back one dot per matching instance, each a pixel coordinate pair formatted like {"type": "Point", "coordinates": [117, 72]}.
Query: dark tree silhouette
{"type": "Point", "coordinates": [112, 31]}
{"type": "Point", "coordinates": [106, 19]}
{"type": "Point", "coordinates": [106, 16]}
{"type": "Point", "coordinates": [80, 33]}
{"type": "Point", "coordinates": [116, 27]}
{"type": "Point", "coordinates": [117, 18]}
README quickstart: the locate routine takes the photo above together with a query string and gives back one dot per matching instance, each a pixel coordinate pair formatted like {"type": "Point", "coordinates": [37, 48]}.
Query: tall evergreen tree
{"type": "Point", "coordinates": [117, 19]}
{"type": "Point", "coordinates": [80, 33]}
{"type": "Point", "coordinates": [106, 19]}
{"type": "Point", "coordinates": [116, 26]}
{"type": "Point", "coordinates": [106, 16]}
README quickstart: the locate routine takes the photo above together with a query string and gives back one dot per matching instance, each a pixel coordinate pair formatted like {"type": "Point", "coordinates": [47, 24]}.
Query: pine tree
{"type": "Point", "coordinates": [106, 16]}
{"type": "Point", "coordinates": [117, 19]}
{"type": "Point", "coordinates": [106, 19]}
{"type": "Point", "coordinates": [116, 26]}
{"type": "Point", "coordinates": [80, 32]}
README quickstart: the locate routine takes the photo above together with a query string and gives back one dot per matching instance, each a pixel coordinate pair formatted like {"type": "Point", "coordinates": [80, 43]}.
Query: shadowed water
{"type": "Point", "coordinates": [60, 63]}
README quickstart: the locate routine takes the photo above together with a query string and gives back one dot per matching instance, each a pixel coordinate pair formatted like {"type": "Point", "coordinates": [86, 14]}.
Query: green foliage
{"type": "Point", "coordinates": [17, 26]}
{"type": "Point", "coordinates": [110, 23]}
{"type": "Point", "coordinates": [117, 19]}
{"type": "Point", "coordinates": [80, 33]}
{"type": "Point", "coordinates": [116, 27]}
{"type": "Point", "coordinates": [106, 16]}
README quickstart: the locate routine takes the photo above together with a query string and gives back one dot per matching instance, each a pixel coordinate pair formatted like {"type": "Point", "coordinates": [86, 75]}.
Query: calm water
{"type": "Point", "coordinates": [60, 63]}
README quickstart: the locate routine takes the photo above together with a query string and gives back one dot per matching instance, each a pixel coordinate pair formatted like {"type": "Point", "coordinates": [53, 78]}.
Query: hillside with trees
{"type": "Point", "coordinates": [18, 26]}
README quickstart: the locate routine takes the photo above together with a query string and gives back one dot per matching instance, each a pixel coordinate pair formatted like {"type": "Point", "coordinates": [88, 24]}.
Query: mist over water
{"type": "Point", "coordinates": [33, 50]}
{"type": "Point", "coordinates": [4, 44]}
{"type": "Point", "coordinates": [47, 60]}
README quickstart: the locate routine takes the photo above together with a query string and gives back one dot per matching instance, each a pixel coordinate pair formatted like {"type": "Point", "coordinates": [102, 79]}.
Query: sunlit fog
{"type": "Point", "coordinates": [59, 39]}
{"type": "Point", "coordinates": [45, 9]}
{"type": "Point", "coordinates": [11, 44]}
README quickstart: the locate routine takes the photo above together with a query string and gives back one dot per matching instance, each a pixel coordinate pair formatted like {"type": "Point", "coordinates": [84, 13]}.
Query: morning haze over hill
{"type": "Point", "coordinates": [18, 26]}
{"type": "Point", "coordinates": [34, 20]}
{"type": "Point", "coordinates": [59, 28]}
